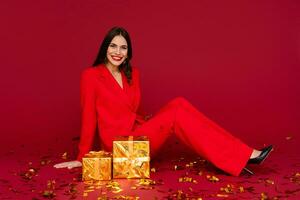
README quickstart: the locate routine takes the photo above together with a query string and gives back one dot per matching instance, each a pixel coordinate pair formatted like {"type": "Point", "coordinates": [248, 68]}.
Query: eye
{"type": "Point", "coordinates": [112, 45]}
{"type": "Point", "coordinates": [124, 47]}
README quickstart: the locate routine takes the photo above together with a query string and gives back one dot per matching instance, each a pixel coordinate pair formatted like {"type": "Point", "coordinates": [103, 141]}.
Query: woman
{"type": "Point", "coordinates": [110, 96]}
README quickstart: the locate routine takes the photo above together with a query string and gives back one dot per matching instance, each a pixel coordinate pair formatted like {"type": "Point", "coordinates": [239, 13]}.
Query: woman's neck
{"type": "Point", "coordinates": [112, 68]}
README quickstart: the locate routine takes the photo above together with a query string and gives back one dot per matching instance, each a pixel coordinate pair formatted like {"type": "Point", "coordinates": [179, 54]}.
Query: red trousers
{"type": "Point", "coordinates": [197, 131]}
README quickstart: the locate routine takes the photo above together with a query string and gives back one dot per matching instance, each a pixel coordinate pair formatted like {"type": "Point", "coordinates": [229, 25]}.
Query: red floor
{"type": "Point", "coordinates": [28, 174]}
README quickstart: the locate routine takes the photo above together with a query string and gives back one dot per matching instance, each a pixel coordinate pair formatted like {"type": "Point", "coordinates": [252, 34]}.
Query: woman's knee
{"type": "Point", "coordinates": [179, 101]}
{"type": "Point", "coordinates": [176, 103]}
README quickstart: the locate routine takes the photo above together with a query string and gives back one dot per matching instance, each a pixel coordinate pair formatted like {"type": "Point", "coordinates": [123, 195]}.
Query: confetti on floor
{"type": "Point", "coordinates": [183, 175]}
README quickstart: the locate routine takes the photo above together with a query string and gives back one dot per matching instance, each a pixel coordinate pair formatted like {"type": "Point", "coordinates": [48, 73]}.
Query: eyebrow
{"type": "Point", "coordinates": [117, 45]}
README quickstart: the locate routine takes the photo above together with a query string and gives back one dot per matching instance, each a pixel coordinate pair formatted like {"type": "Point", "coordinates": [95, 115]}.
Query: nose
{"type": "Point", "coordinates": [118, 50]}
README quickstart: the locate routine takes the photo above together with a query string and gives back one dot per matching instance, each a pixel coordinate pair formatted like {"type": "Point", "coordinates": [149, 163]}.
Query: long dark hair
{"type": "Point", "coordinates": [101, 57]}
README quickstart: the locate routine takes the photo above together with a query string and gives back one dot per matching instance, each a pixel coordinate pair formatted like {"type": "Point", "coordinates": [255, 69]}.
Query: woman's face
{"type": "Point", "coordinates": [117, 51]}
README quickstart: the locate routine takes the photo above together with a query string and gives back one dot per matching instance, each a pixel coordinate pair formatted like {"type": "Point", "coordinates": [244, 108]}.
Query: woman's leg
{"type": "Point", "coordinates": [197, 131]}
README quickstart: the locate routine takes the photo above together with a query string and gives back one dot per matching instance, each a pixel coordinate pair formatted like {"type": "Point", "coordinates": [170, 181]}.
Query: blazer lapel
{"type": "Point", "coordinates": [110, 81]}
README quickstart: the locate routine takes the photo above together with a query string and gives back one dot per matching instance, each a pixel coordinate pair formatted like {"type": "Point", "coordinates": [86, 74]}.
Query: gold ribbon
{"type": "Point", "coordinates": [139, 159]}
{"type": "Point", "coordinates": [96, 165]}
{"type": "Point", "coordinates": [98, 154]}
{"type": "Point", "coordinates": [125, 155]}
{"type": "Point", "coordinates": [129, 153]}
{"type": "Point", "coordinates": [130, 146]}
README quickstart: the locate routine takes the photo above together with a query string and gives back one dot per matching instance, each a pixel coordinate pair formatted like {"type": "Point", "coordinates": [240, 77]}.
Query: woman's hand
{"type": "Point", "coordinates": [69, 165]}
{"type": "Point", "coordinates": [147, 117]}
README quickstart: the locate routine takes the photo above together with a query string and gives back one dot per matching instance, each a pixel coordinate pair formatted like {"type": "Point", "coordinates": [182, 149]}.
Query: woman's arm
{"type": "Point", "coordinates": [88, 112]}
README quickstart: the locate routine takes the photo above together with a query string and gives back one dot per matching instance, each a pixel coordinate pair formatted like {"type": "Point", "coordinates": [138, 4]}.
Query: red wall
{"type": "Point", "coordinates": [237, 61]}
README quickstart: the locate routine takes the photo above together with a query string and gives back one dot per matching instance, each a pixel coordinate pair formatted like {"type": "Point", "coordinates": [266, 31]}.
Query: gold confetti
{"type": "Point", "coordinates": [65, 156]}
{"type": "Point", "coordinates": [117, 190]}
{"type": "Point", "coordinates": [180, 195]}
{"type": "Point", "coordinates": [127, 197]}
{"type": "Point", "coordinates": [51, 184]}
{"type": "Point", "coordinates": [112, 184]}
{"type": "Point", "coordinates": [153, 170]}
{"type": "Point", "coordinates": [49, 194]}
{"type": "Point", "coordinates": [102, 198]}
{"type": "Point", "coordinates": [241, 189]}
{"type": "Point", "coordinates": [72, 191]}
{"type": "Point", "coordinates": [146, 182]}
{"type": "Point", "coordinates": [31, 172]}
{"type": "Point", "coordinates": [190, 165]}
{"type": "Point", "coordinates": [222, 195]}
{"type": "Point", "coordinates": [187, 179]}
{"type": "Point", "coordinates": [88, 187]}
{"type": "Point", "coordinates": [295, 178]}
{"type": "Point", "coordinates": [114, 187]}
{"type": "Point", "coordinates": [212, 178]}
{"type": "Point", "coordinates": [85, 194]}
{"type": "Point", "coordinates": [89, 190]}
{"type": "Point", "coordinates": [263, 196]}
{"type": "Point", "coordinates": [45, 162]}
{"type": "Point", "coordinates": [269, 182]}
{"type": "Point", "coordinates": [228, 189]}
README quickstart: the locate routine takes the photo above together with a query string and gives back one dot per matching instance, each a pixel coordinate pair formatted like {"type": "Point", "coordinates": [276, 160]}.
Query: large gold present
{"type": "Point", "coordinates": [96, 165]}
{"type": "Point", "coordinates": [131, 157]}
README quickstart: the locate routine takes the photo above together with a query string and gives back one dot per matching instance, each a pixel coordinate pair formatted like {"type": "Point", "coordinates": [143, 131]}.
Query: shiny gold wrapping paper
{"type": "Point", "coordinates": [131, 157]}
{"type": "Point", "coordinates": [96, 165]}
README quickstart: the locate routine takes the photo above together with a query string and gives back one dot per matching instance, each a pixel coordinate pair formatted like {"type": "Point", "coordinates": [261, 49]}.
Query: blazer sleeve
{"type": "Point", "coordinates": [88, 112]}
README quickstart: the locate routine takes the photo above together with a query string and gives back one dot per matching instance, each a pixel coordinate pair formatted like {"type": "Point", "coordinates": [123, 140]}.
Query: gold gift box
{"type": "Point", "coordinates": [131, 157]}
{"type": "Point", "coordinates": [96, 165]}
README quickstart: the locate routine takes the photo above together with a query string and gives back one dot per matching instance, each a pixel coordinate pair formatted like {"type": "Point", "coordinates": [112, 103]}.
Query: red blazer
{"type": "Point", "coordinates": [106, 104]}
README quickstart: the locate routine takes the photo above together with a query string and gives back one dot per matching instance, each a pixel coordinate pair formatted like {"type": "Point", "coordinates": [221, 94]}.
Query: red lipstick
{"type": "Point", "coordinates": [116, 58]}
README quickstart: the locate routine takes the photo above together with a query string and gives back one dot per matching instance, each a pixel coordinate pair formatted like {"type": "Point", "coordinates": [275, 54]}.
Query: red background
{"type": "Point", "coordinates": [237, 61]}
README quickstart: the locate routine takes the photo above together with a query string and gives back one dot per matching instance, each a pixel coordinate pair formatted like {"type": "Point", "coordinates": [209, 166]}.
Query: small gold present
{"type": "Point", "coordinates": [131, 157]}
{"type": "Point", "coordinates": [96, 165]}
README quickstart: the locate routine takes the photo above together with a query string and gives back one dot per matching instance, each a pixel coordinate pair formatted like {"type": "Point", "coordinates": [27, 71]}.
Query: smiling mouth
{"type": "Point", "coordinates": [116, 58]}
